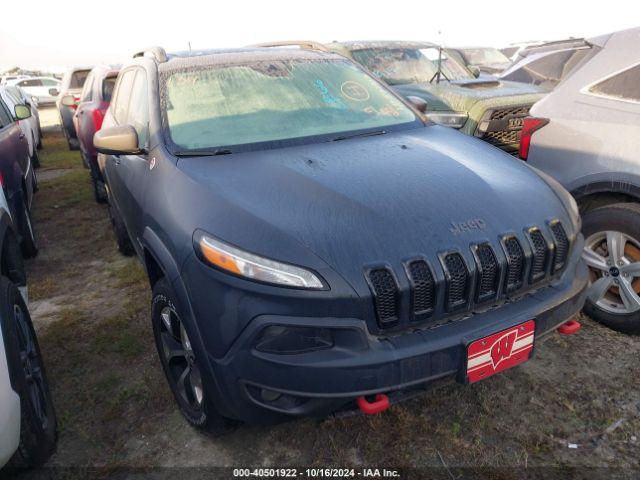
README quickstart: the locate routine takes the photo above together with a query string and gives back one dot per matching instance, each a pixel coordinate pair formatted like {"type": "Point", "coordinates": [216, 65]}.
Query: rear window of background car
{"type": "Point", "coordinates": [624, 86]}
{"type": "Point", "coordinates": [107, 88]}
{"type": "Point", "coordinates": [78, 78]}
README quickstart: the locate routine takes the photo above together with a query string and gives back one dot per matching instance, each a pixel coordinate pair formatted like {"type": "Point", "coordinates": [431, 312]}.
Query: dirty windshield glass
{"type": "Point", "coordinates": [398, 66]}
{"type": "Point", "coordinates": [482, 56]}
{"type": "Point", "coordinates": [234, 105]}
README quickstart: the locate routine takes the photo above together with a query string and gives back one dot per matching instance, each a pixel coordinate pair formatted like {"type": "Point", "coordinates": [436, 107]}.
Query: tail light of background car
{"type": "Point", "coordinates": [98, 116]}
{"type": "Point", "coordinates": [530, 125]}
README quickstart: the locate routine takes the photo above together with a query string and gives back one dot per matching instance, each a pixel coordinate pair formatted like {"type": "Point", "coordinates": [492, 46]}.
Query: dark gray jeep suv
{"type": "Point", "coordinates": [312, 244]}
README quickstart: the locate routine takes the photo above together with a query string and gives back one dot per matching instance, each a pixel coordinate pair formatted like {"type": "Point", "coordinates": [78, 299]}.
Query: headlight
{"type": "Point", "coordinates": [253, 267]}
{"type": "Point", "coordinates": [448, 119]}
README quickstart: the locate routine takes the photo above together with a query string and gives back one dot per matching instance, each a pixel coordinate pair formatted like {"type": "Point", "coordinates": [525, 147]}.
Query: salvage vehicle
{"type": "Point", "coordinates": [89, 113]}
{"type": "Point", "coordinates": [312, 244]}
{"type": "Point", "coordinates": [72, 84]}
{"type": "Point", "coordinates": [486, 59]}
{"type": "Point", "coordinates": [487, 108]}
{"type": "Point", "coordinates": [27, 417]}
{"type": "Point", "coordinates": [585, 134]}
{"type": "Point", "coordinates": [38, 87]}
{"type": "Point", "coordinates": [17, 173]}
{"type": "Point", "coordinates": [30, 126]}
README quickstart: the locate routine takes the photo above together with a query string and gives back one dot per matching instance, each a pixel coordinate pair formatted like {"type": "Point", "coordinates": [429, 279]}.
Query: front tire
{"type": "Point", "coordinates": [38, 421]}
{"type": "Point", "coordinates": [612, 252]}
{"type": "Point", "coordinates": [181, 365]}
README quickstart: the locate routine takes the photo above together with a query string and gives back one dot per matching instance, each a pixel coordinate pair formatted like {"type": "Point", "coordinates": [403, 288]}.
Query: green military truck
{"type": "Point", "coordinates": [485, 107]}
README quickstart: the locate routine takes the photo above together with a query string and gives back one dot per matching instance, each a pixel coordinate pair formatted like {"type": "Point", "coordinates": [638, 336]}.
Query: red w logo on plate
{"type": "Point", "coordinates": [502, 348]}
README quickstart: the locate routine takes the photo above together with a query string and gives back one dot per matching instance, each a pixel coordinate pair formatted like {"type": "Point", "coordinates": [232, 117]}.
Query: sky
{"type": "Point", "coordinates": [58, 34]}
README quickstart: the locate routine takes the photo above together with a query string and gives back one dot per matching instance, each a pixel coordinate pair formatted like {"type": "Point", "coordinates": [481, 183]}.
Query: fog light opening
{"type": "Point", "coordinates": [269, 395]}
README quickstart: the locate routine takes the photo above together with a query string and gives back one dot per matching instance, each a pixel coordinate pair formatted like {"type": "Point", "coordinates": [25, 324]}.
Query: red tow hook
{"type": "Point", "coordinates": [380, 404]}
{"type": "Point", "coordinates": [569, 328]}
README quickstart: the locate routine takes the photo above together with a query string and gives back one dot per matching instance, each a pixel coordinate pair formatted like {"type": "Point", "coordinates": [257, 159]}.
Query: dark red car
{"type": "Point", "coordinates": [93, 103]}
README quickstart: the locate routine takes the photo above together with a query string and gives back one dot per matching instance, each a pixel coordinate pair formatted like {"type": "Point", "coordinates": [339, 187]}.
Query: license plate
{"type": "Point", "coordinates": [495, 353]}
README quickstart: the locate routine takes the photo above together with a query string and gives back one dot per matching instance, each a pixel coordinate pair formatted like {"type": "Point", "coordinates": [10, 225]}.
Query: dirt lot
{"type": "Point", "coordinates": [576, 405]}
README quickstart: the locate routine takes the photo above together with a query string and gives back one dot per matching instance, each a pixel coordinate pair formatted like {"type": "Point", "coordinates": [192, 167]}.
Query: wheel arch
{"type": "Point", "coordinates": [598, 194]}
{"type": "Point", "coordinates": [11, 261]}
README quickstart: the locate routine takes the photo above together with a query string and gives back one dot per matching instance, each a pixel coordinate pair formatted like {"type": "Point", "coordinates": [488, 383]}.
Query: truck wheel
{"type": "Point", "coordinates": [181, 364]}
{"type": "Point", "coordinates": [28, 243]}
{"type": "Point", "coordinates": [120, 231]}
{"type": "Point", "coordinates": [612, 252]}
{"type": "Point", "coordinates": [38, 421]}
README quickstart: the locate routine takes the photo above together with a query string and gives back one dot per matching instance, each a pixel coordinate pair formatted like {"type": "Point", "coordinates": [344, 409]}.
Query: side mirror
{"type": "Point", "coordinates": [69, 101]}
{"type": "Point", "coordinates": [54, 92]}
{"type": "Point", "coordinates": [419, 103]}
{"type": "Point", "coordinates": [475, 71]}
{"type": "Point", "coordinates": [22, 112]}
{"type": "Point", "coordinates": [121, 140]}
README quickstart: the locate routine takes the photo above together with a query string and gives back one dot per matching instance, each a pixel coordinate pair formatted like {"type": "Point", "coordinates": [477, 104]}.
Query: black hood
{"type": "Point", "coordinates": [374, 200]}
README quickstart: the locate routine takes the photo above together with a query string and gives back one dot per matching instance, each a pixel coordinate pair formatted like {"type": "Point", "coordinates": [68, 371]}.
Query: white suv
{"type": "Point", "coordinates": [27, 417]}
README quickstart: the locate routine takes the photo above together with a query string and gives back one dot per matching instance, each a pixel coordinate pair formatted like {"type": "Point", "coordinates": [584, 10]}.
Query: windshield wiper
{"type": "Point", "coordinates": [355, 135]}
{"type": "Point", "coordinates": [203, 153]}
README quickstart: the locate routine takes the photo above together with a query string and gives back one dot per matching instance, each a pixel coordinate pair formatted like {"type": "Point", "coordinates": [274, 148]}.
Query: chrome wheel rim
{"type": "Point", "coordinates": [613, 259]}
{"type": "Point", "coordinates": [180, 359]}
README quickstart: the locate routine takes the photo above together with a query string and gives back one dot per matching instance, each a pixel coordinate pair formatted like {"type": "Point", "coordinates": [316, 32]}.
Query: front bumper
{"type": "Point", "coordinates": [9, 411]}
{"type": "Point", "coordinates": [262, 387]}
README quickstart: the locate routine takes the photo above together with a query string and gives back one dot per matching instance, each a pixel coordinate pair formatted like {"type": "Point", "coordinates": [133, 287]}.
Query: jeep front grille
{"type": "Point", "coordinates": [386, 296]}
{"type": "Point", "coordinates": [487, 273]}
{"type": "Point", "coordinates": [515, 264]}
{"type": "Point", "coordinates": [540, 255]}
{"type": "Point", "coordinates": [561, 246]}
{"type": "Point", "coordinates": [423, 288]}
{"type": "Point", "coordinates": [457, 277]}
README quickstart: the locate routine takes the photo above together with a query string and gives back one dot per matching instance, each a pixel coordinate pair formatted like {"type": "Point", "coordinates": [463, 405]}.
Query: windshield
{"type": "Point", "coordinates": [483, 56]}
{"type": "Point", "coordinates": [234, 105]}
{"type": "Point", "coordinates": [398, 66]}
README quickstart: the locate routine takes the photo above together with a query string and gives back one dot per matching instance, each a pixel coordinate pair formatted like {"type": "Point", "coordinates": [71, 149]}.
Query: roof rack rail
{"type": "Point", "coordinates": [307, 44]}
{"type": "Point", "coordinates": [158, 53]}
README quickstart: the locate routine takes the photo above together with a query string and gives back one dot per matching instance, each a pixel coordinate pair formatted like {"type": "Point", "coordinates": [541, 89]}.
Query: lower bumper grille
{"type": "Point", "coordinates": [518, 263]}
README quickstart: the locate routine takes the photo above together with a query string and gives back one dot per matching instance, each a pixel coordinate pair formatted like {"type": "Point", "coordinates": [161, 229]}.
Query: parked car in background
{"type": "Point", "coordinates": [6, 78]}
{"type": "Point", "coordinates": [17, 174]}
{"type": "Point", "coordinates": [488, 109]}
{"type": "Point", "coordinates": [93, 104]}
{"type": "Point", "coordinates": [586, 134]}
{"type": "Point", "coordinates": [31, 126]}
{"type": "Point", "coordinates": [72, 84]}
{"type": "Point", "coordinates": [27, 416]}
{"type": "Point", "coordinates": [550, 64]}
{"type": "Point", "coordinates": [312, 243]}
{"type": "Point", "coordinates": [32, 103]}
{"type": "Point", "coordinates": [38, 87]}
{"type": "Point", "coordinates": [486, 59]}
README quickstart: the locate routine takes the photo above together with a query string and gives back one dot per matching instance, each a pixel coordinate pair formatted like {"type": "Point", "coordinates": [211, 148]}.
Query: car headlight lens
{"type": "Point", "coordinates": [448, 119]}
{"type": "Point", "coordinates": [253, 267]}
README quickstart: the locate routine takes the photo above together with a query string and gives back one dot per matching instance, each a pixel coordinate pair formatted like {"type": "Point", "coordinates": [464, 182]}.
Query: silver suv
{"type": "Point", "coordinates": [586, 134]}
